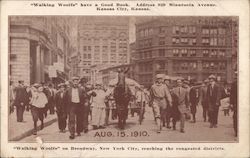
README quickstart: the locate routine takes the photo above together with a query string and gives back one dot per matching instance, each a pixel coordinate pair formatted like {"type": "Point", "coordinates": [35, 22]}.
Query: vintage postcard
{"type": "Point", "coordinates": [125, 78]}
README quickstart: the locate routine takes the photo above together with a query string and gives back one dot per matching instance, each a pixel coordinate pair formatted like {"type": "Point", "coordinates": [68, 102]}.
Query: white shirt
{"type": "Point", "coordinates": [99, 99]}
{"type": "Point", "coordinates": [75, 96]}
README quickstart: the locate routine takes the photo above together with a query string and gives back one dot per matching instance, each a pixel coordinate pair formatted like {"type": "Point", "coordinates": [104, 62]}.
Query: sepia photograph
{"type": "Point", "coordinates": [123, 79]}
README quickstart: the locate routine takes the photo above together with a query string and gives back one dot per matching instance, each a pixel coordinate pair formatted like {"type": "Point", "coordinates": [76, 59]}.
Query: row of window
{"type": "Point", "coordinates": [184, 53]}
{"type": "Point", "coordinates": [104, 41]}
{"type": "Point", "coordinates": [213, 31]}
{"type": "Point", "coordinates": [184, 40]}
{"type": "Point", "coordinates": [213, 41]}
{"type": "Point", "coordinates": [208, 65]}
{"type": "Point", "coordinates": [105, 48]}
{"type": "Point", "coordinates": [184, 29]}
{"type": "Point", "coordinates": [184, 65]}
{"type": "Point", "coordinates": [181, 30]}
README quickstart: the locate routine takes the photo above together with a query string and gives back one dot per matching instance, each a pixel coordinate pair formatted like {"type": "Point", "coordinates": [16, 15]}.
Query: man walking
{"type": "Point", "coordinates": [21, 100]}
{"type": "Point", "coordinates": [75, 98]}
{"type": "Point", "coordinates": [204, 102]}
{"type": "Point", "coordinates": [194, 96]}
{"type": "Point", "coordinates": [182, 98]}
{"type": "Point", "coordinates": [61, 107]}
{"type": "Point", "coordinates": [159, 98]}
{"type": "Point", "coordinates": [213, 99]}
{"type": "Point", "coordinates": [169, 109]}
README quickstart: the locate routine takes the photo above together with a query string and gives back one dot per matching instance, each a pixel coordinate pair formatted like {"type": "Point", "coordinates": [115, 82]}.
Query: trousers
{"type": "Point", "coordinates": [62, 119]}
{"type": "Point", "coordinates": [98, 116]}
{"type": "Point", "coordinates": [213, 115]}
{"type": "Point", "coordinates": [75, 118]}
{"type": "Point", "coordinates": [19, 112]}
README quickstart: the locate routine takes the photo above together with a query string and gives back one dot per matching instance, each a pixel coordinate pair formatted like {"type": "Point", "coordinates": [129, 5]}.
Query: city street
{"type": "Point", "coordinates": [198, 131]}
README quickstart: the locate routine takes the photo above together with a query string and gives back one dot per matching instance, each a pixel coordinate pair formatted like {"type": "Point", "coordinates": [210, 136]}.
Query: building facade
{"type": "Point", "coordinates": [39, 49]}
{"type": "Point", "coordinates": [191, 47]}
{"type": "Point", "coordinates": [102, 41]}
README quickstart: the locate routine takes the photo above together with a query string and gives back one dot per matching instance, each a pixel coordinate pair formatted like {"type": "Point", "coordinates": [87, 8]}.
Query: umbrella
{"type": "Point", "coordinates": [128, 81]}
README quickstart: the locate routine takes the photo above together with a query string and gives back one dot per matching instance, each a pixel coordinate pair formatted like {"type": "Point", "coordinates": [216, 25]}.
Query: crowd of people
{"type": "Point", "coordinates": [178, 101]}
{"type": "Point", "coordinates": [75, 103]}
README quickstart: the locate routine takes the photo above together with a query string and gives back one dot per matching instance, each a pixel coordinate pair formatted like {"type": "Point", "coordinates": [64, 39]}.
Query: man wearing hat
{"type": "Point", "coordinates": [194, 96]}
{"type": "Point", "coordinates": [38, 102]}
{"type": "Point", "coordinates": [76, 99]}
{"type": "Point", "coordinates": [21, 100]}
{"type": "Point", "coordinates": [213, 100]}
{"type": "Point", "coordinates": [98, 104]}
{"type": "Point", "coordinates": [159, 98]}
{"type": "Point", "coordinates": [204, 102]}
{"type": "Point", "coordinates": [167, 81]}
{"type": "Point", "coordinates": [61, 107]}
{"type": "Point", "coordinates": [182, 104]}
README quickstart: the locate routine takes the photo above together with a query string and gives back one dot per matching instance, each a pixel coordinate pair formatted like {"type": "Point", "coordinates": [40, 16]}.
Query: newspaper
{"type": "Point", "coordinates": [77, 78]}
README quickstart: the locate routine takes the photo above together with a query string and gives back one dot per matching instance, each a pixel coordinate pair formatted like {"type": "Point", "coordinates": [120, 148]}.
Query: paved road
{"type": "Point", "coordinates": [194, 132]}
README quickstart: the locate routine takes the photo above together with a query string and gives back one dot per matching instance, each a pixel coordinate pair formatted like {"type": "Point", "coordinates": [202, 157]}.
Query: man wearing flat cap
{"type": "Point", "coordinates": [61, 107]}
{"type": "Point", "coordinates": [159, 98]}
{"type": "Point", "coordinates": [75, 98]}
{"type": "Point", "coordinates": [213, 100]}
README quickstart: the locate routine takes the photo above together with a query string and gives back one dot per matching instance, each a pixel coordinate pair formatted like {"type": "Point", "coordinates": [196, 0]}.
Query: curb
{"type": "Point", "coordinates": [30, 131]}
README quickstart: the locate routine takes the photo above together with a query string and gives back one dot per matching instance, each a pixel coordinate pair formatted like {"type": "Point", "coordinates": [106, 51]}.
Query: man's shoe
{"type": "Point", "coordinates": [215, 126]}
{"type": "Point", "coordinates": [95, 127]}
{"type": "Point", "coordinates": [182, 131]}
{"type": "Point", "coordinates": [102, 127]}
{"type": "Point", "coordinates": [42, 126]}
{"type": "Point", "coordinates": [71, 137]}
{"type": "Point", "coordinates": [86, 130]}
{"type": "Point", "coordinates": [169, 127]}
{"type": "Point", "coordinates": [34, 133]}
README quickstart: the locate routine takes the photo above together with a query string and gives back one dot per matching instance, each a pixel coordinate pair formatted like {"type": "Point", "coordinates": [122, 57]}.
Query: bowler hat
{"type": "Point", "coordinates": [212, 77]}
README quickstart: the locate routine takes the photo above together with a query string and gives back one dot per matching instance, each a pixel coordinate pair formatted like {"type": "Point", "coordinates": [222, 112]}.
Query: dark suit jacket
{"type": "Point", "coordinates": [234, 95]}
{"type": "Point", "coordinates": [22, 96]}
{"type": "Point", "coordinates": [60, 102]}
{"type": "Point", "coordinates": [82, 95]}
{"type": "Point", "coordinates": [193, 96]}
{"type": "Point", "coordinates": [213, 98]}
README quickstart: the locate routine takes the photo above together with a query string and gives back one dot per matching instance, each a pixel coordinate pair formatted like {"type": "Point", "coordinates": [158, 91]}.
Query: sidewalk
{"type": "Point", "coordinates": [20, 130]}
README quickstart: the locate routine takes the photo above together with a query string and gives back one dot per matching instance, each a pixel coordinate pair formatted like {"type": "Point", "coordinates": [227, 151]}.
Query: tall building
{"type": "Point", "coordinates": [102, 41]}
{"type": "Point", "coordinates": [39, 48]}
{"type": "Point", "coordinates": [191, 47]}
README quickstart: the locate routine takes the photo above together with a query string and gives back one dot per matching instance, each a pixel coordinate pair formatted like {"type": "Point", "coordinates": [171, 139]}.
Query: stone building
{"type": "Point", "coordinates": [102, 41]}
{"type": "Point", "coordinates": [39, 48]}
{"type": "Point", "coordinates": [191, 47]}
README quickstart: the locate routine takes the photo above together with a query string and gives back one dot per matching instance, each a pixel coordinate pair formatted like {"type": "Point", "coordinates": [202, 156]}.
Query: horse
{"type": "Point", "coordinates": [122, 97]}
